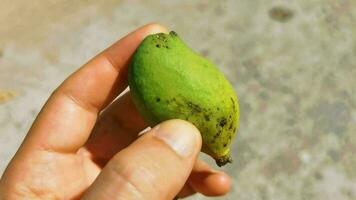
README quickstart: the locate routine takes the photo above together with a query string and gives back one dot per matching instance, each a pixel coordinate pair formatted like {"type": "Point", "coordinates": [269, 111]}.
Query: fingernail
{"type": "Point", "coordinates": [179, 135]}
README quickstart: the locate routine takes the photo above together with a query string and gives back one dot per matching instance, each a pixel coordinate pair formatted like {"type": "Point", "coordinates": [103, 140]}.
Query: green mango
{"type": "Point", "coordinates": [168, 80]}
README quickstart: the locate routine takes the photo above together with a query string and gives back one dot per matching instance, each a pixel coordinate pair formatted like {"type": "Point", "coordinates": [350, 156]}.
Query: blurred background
{"type": "Point", "coordinates": [291, 62]}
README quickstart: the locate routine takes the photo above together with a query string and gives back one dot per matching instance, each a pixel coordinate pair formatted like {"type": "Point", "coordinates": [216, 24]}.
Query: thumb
{"type": "Point", "coordinates": [155, 166]}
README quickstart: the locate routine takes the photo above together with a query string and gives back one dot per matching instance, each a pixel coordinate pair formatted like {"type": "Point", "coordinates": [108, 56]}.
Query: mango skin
{"type": "Point", "coordinates": [168, 80]}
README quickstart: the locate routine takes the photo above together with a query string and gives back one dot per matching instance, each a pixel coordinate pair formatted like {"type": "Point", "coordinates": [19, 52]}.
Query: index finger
{"type": "Point", "coordinates": [69, 115]}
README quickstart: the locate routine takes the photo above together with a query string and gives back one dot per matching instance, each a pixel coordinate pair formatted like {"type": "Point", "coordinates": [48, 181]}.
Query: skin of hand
{"type": "Point", "coordinates": [84, 143]}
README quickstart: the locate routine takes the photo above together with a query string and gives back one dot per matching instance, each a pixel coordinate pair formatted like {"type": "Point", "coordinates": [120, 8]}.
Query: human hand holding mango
{"type": "Point", "coordinates": [84, 146]}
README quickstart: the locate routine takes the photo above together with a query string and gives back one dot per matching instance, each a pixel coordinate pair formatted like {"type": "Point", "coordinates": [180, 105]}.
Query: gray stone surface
{"type": "Point", "coordinates": [292, 63]}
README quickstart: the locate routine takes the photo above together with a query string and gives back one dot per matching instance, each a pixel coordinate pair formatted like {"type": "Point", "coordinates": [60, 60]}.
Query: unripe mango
{"type": "Point", "coordinates": [168, 80]}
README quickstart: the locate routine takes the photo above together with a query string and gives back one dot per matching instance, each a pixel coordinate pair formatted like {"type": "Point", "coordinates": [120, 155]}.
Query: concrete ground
{"type": "Point", "coordinates": [292, 64]}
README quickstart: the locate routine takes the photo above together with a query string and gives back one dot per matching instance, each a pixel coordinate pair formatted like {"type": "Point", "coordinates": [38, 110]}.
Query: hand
{"type": "Point", "coordinates": [83, 146]}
